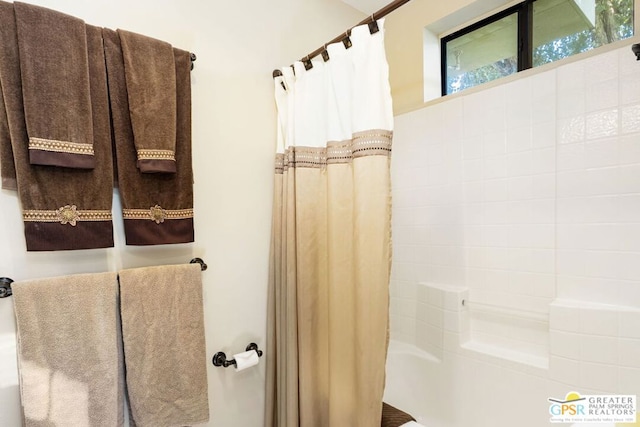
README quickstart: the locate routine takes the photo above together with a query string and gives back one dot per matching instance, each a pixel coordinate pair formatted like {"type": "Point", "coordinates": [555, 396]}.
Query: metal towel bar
{"type": "Point", "coordinates": [5, 287]}
{"type": "Point", "coordinates": [5, 282]}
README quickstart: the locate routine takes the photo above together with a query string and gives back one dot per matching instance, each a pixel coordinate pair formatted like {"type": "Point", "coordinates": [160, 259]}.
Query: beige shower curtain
{"type": "Point", "coordinates": [331, 239]}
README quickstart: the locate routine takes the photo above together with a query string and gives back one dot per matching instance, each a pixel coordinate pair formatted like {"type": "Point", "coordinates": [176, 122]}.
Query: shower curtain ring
{"type": "Point", "coordinates": [373, 25]}
{"type": "Point", "coordinates": [325, 53]}
{"type": "Point", "coordinates": [346, 41]}
{"type": "Point", "coordinates": [307, 63]}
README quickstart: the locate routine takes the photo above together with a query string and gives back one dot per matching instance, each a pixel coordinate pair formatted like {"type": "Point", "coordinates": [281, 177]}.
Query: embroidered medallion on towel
{"type": "Point", "coordinates": [157, 207]}
{"type": "Point", "coordinates": [64, 208]}
{"type": "Point", "coordinates": [57, 131]}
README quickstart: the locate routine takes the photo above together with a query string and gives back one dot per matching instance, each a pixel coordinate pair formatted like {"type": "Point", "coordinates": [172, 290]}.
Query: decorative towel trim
{"type": "Point", "coordinates": [145, 154]}
{"type": "Point", "coordinates": [68, 214]}
{"type": "Point", "coordinates": [156, 161]}
{"type": "Point", "coordinates": [157, 213]}
{"type": "Point", "coordinates": [60, 146]}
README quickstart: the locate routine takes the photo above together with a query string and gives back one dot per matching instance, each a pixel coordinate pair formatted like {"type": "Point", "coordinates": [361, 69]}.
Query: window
{"type": "Point", "coordinates": [528, 35]}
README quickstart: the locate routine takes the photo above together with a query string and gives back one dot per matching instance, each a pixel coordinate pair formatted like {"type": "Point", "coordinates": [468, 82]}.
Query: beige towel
{"type": "Point", "coordinates": [55, 85]}
{"type": "Point", "coordinates": [164, 345]}
{"type": "Point", "coordinates": [68, 357]}
{"type": "Point", "coordinates": [151, 86]}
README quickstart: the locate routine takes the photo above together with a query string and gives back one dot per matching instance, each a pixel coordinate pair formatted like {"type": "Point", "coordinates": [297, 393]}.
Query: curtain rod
{"type": "Point", "coordinates": [345, 36]}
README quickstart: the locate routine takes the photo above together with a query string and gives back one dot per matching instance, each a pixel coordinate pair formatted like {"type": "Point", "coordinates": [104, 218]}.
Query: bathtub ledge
{"type": "Point", "coordinates": [396, 346]}
{"type": "Point", "coordinates": [503, 353]}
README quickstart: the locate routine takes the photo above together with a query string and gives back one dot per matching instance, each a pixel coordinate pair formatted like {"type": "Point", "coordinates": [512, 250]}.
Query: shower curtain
{"type": "Point", "coordinates": [331, 239]}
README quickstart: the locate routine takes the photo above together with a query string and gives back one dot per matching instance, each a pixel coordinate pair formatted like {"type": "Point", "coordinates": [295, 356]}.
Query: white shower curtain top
{"type": "Point", "coordinates": [328, 103]}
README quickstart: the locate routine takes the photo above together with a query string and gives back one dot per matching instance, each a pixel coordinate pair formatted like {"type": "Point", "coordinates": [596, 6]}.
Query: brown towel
{"type": "Point", "coordinates": [7, 168]}
{"type": "Point", "coordinates": [164, 345]}
{"type": "Point", "coordinates": [151, 86]}
{"type": "Point", "coordinates": [63, 208]}
{"type": "Point", "coordinates": [55, 85]}
{"type": "Point", "coordinates": [394, 417]}
{"type": "Point", "coordinates": [69, 364]}
{"type": "Point", "coordinates": [157, 208]}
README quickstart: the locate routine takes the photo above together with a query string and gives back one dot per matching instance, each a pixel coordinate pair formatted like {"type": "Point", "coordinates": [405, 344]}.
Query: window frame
{"type": "Point", "coordinates": [524, 13]}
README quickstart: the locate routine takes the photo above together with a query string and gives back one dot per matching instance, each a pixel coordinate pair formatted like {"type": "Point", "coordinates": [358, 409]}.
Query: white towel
{"type": "Point", "coordinates": [68, 351]}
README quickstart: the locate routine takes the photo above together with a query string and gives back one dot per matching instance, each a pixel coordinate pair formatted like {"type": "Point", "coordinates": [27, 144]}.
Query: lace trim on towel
{"type": "Point", "coordinates": [145, 154]}
{"type": "Point", "coordinates": [157, 213]}
{"type": "Point", "coordinates": [68, 214]}
{"type": "Point", "coordinates": [369, 143]}
{"type": "Point", "coordinates": [60, 146]}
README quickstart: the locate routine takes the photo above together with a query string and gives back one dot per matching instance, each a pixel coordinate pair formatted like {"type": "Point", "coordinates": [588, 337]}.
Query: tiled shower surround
{"type": "Point", "coordinates": [523, 201]}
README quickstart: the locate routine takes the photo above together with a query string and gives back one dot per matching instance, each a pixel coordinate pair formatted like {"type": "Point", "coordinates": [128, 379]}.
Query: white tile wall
{"type": "Point", "coordinates": [594, 346]}
{"type": "Point", "coordinates": [525, 193]}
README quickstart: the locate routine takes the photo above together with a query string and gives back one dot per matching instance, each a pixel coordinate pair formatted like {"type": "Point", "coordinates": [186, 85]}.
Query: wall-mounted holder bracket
{"type": "Point", "coordinates": [203, 266]}
{"type": "Point", "coordinates": [220, 358]}
{"type": "Point", "coordinates": [5, 287]}
{"type": "Point", "coordinates": [636, 50]}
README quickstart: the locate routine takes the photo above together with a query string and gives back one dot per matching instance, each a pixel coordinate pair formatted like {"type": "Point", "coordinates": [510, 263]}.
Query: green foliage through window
{"type": "Point", "coordinates": [559, 28]}
{"type": "Point", "coordinates": [614, 21]}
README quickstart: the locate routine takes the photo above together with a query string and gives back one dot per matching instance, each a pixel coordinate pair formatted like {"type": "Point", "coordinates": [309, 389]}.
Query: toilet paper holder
{"type": "Point", "coordinates": [220, 358]}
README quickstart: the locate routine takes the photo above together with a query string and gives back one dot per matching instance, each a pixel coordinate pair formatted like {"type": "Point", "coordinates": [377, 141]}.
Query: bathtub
{"type": "Point", "coordinates": [443, 393]}
{"type": "Point", "coordinates": [411, 374]}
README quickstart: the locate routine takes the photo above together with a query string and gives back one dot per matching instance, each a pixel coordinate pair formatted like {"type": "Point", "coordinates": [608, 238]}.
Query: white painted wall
{"type": "Point", "coordinates": [238, 44]}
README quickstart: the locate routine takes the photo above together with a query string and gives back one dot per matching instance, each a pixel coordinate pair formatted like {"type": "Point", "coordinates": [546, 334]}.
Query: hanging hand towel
{"type": "Point", "coordinates": [69, 365]}
{"type": "Point", "coordinates": [55, 84]}
{"type": "Point", "coordinates": [164, 345]}
{"type": "Point", "coordinates": [151, 86]}
{"type": "Point", "coordinates": [157, 208]}
{"type": "Point", "coordinates": [7, 168]}
{"type": "Point", "coordinates": [63, 208]}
